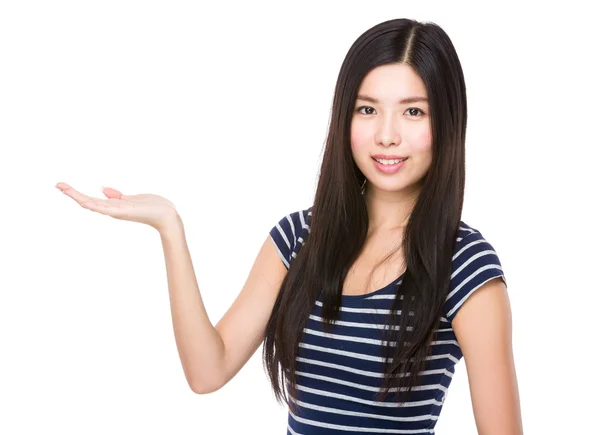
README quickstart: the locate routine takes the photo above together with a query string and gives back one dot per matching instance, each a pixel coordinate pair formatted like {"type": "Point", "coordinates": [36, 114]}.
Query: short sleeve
{"type": "Point", "coordinates": [289, 234]}
{"type": "Point", "coordinates": [474, 263]}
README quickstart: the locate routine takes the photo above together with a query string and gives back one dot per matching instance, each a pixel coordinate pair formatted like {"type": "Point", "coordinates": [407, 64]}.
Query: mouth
{"type": "Point", "coordinates": [389, 166]}
{"type": "Point", "coordinates": [389, 161]}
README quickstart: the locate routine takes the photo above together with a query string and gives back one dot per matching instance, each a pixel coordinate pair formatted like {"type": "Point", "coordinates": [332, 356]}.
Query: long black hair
{"type": "Point", "coordinates": [340, 220]}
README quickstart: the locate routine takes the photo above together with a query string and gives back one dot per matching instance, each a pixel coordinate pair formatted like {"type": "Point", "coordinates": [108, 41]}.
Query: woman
{"type": "Point", "coordinates": [367, 299]}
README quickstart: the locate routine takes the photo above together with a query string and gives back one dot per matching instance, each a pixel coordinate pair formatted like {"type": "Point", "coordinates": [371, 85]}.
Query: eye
{"type": "Point", "coordinates": [365, 107]}
{"type": "Point", "coordinates": [415, 111]}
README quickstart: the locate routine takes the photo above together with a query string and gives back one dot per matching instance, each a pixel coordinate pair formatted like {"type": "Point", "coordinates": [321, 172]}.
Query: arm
{"type": "Point", "coordinates": [483, 328]}
{"type": "Point", "coordinates": [211, 355]}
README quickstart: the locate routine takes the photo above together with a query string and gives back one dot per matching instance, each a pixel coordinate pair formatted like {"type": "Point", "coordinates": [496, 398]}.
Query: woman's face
{"type": "Point", "coordinates": [391, 119]}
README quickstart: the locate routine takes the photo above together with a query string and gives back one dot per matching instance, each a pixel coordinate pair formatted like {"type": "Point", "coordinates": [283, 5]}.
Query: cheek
{"type": "Point", "coordinates": [421, 142]}
{"type": "Point", "coordinates": [358, 138]}
{"type": "Point", "coordinates": [422, 147]}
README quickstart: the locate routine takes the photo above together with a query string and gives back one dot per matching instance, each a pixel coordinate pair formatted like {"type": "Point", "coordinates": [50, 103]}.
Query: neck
{"type": "Point", "coordinates": [389, 211]}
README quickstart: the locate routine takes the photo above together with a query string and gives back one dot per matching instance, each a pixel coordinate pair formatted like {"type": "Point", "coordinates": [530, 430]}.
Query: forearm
{"type": "Point", "coordinates": [200, 347]}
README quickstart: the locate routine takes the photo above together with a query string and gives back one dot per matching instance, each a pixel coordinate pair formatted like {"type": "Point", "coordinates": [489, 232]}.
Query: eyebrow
{"type": "Point", "coordinates": [406, 100]}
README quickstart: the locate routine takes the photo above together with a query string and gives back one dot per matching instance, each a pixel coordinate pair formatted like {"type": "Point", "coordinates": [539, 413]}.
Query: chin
{"type": "Point", "coordinates": [391, 188]}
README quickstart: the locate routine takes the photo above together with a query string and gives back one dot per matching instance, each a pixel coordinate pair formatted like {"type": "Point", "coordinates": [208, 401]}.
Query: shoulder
{"type": "Point", "coordinates": [290, 232]}
{"type": "Point", "coordinates": [474, 262]}
{"type": "Point", "coordinates": [471, 245]}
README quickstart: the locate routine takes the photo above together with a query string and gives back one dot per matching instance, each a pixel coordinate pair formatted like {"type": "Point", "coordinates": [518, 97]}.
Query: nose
{"type": "Point", "coordinates": [388, 133]}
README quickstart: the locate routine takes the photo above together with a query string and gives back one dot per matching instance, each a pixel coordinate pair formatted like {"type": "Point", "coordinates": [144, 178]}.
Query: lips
{"type": "Point", "coordinates": [381, 156]}
{"type": "Point", "coordinates": [397, 158]}
{"type": "Point", "coordinates": [389, 169]}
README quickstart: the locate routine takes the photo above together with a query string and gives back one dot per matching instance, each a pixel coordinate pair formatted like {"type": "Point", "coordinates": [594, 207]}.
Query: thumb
{"type": "Point", "coordinates": [113, 193]}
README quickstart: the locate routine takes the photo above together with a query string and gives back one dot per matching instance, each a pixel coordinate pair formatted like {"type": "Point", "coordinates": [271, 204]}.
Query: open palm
{"type": "Point", "coordinates": [149, 209]}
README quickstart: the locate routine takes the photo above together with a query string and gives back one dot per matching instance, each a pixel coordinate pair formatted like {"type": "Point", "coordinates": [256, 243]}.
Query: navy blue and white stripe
{"type": "Point", "coordinates": [339, 373]}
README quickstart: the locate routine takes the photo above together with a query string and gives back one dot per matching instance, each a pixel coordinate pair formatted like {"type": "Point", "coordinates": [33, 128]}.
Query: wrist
{"type": "Point", "coordinates": [171, 226]}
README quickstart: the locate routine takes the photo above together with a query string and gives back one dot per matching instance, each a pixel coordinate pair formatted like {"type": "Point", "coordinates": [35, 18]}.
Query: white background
{"type": "Point", "coordinates": [223, 109]}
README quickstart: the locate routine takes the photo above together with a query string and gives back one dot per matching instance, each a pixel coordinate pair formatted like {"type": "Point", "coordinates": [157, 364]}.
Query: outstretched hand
{"type": "Point", "coordinates": [149, 209]}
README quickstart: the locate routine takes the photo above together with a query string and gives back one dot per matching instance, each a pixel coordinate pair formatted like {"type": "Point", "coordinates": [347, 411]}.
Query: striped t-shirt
{"type": "Point", "coordinates": [338, 374]}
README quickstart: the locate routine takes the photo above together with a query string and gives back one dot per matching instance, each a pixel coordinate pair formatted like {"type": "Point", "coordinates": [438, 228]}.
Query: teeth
{"type": "Point", "coordinates": [389, 162]}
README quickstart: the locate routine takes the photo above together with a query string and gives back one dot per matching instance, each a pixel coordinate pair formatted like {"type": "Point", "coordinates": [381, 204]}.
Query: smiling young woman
{"type": "Point", "coordinates": [387, 288]}
{"type": "Point", "coordinates": [366, 300]}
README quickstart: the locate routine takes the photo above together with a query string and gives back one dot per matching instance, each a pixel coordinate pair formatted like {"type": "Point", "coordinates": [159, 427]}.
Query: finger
{"type": "Point", "coordinates": [110, 207]}
{"type": "Point", "coordinates": [96, 205]}
{"type": "Point", "coordinates": [62, 186]}
{"type": "Point", "coordinates": [69, 191]}
{"type": "Point", "coordinates": [112, 193]}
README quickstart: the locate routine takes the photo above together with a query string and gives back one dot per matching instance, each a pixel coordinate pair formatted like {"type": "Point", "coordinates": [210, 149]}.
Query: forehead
{"type": "Point", "coordinates": [392, 82]}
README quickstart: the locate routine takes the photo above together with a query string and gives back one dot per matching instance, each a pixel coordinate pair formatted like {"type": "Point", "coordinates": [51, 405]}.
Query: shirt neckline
{"type": "Point", "coordinates": [375, 292]}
